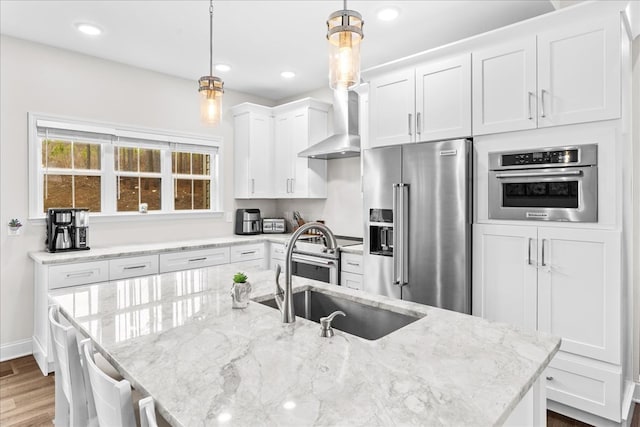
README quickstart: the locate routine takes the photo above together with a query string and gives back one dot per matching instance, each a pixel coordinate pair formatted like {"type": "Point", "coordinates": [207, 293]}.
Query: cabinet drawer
{"type": "Point", "coordinates": [583, 386]}
{"type": "Point", "coordinates": [277, 251]}
{"type": "Point", "coordinates": [193, 259]}
{"type": "Point", "coordinates": [351, 263]}
{"type": "Point", "coordinates": [123, 268]}
{"type": "Point", "coordinates": [351, 280]}
{"type": "Point", "coordinates": [61, 276]}
{"type": "Point", "coordinates": [249, 265]}
{"type": "Point", "coordinates": [247, 252]}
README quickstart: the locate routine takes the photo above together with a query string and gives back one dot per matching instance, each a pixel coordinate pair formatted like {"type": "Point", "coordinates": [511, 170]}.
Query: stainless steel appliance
{"type": "Point", "coordinates": [273, 225]}
{"type": "Point", "coordinates": [248, 221]}
{"type": "Point", "coordinates": [551, 184]}
{"type": "Point", "coordinates": [312, 260]}
{"type": "Point", "coordinates": [417, 200]}
{"type": "Point", "coordinates": [67, 229]}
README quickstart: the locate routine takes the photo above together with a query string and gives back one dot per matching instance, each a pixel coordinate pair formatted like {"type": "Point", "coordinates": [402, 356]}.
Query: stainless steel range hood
{"type": "Point", "coordinates": [345, 142]}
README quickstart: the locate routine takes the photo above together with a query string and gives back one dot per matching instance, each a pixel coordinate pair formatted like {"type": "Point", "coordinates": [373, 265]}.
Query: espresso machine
{"type": "Point", "coordinates": [248, 221]}
{"type": "Point", "coordinates": [67, 229]}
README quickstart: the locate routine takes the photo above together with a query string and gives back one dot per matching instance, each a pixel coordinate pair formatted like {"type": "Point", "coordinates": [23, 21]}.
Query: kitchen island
{"type": "Point", "coordinates": [176, 338]}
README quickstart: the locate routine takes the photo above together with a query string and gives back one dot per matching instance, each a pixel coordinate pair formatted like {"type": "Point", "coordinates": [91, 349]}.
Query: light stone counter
{"type": "Point", "coordinates": [176, 338]}
{"type": "Point", "coordinates": [353, 249]}
{"type": "Point", "coordinates": [109, 252]}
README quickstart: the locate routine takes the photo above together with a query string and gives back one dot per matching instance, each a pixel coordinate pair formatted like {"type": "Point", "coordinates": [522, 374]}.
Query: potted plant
{"type": "Point", "coordinates": [240, 291]}
{"type": "Point", "coordinates": [14, 226]}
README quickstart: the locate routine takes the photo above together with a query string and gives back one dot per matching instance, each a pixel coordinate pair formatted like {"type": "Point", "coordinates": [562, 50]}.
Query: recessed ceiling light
{"type": "Point", "coordinates": [223, 67]}
{"type": "Point", "coordinates": [388, 14]}
{"type": "Point", "coordinates": [288, 74]}
{"type": "Point", "coordinates": [88, 29]}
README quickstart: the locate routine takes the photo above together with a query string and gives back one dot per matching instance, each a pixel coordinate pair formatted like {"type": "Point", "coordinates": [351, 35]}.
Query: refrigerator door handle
{"type": "Point", "coordinates": [400, 233]}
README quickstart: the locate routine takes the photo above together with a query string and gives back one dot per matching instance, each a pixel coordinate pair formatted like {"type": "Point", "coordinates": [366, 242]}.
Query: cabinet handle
{"type": "Point", "coordinates": [418, 123]}
{"type": "Point", "coordinates": [529, 257]}
{"type": "Point", "coordinates": [542, 92]}
{"type": "Point", "coordinates": [197, 259]}
{"type": "Point", "coordinates": [134, 267]}
{"type": "Point", "coordinates": [247, 253]}
{"type": "Point", "coordinates": [543, 263]}
{"type": "Point", "coordinates": [80, 274]}
{"type": "Point", "coordinates": [529, 102]}
{"type": "Point", "coordinates": [409, 123]}
{"type": "Point", "coordinates": [288, 183]}
{"type": "Point", "coordinates": [353, 264]}
{"type": "Point", "coordinates": [549, 378]}
{"type": "Point", "coordinates": [253, 185]}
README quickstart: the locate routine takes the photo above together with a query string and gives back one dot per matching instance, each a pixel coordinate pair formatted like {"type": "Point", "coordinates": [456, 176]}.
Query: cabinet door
{"type": "Point", "coordinates": [504, 87]}
{"type": "Point", "coordinates": [391, 109]}
{"type": "Point", "coordinates": [579, 290]}
{"type": "Point", "coordinates": [443, 99]}
{"type": "Point", "coordinates": [260, 157]}
{"type": "Point", "coordinates": [579, 72]}
{"type": "Point", "coordinates": [300, 141]}
{"type": "Point", "coordinates": [504, 274]}
{"type": "Point", "coordinates": [283, 161]}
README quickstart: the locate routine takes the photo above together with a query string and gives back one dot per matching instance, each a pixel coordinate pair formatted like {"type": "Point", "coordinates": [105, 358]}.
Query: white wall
{"type": "Point", "coordinates": [635, 59]}
{"type": "Point", "coordinates": [37, 78]}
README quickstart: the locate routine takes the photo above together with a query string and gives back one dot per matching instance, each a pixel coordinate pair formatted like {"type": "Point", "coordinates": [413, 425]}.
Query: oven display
{"type": "Point", "coordinates": [560, 194]}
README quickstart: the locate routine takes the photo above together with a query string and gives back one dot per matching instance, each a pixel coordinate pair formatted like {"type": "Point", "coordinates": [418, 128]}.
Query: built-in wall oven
{"type": "Point", "coordinates": [551, 184]}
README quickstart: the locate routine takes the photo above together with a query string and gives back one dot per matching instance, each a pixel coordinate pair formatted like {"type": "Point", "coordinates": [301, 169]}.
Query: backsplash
{"type": "Point", "coordinates": [342, 209]}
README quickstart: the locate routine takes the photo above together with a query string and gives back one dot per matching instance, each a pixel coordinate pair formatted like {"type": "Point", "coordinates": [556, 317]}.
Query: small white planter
{"type": "Point", "coordinates": [240, 293]}
{"type": "Point", "coordinates": [14, 231]}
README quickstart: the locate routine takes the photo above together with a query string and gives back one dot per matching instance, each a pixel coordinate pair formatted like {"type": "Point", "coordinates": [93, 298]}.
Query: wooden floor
{"type": "Point", "coordinates": [26, 397]}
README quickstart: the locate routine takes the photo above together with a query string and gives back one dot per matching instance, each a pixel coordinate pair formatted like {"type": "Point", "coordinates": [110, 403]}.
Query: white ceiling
{"type": "Point", "coordinates": [259, 39]}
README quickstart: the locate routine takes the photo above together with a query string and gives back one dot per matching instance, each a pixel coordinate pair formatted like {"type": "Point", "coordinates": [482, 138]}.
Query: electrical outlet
{"type": "Point", "coordinates": [228, 216]}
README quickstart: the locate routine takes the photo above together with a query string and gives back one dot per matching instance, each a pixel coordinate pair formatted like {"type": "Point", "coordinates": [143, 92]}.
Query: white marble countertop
{"type": "Point", "coordinates": [176, 338]}
{"type": "Point", "coordinates": [108, 252]}
{"type": "Point", "coordinates": [353, 249]}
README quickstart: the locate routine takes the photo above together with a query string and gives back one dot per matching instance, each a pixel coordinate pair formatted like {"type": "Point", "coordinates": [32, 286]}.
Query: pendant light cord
{"type": "Point", "coordinates": [211, 38]}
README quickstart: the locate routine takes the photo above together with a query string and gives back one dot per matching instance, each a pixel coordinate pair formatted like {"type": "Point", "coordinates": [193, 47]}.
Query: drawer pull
{"type": "Point", "coordinates": [80, 274]}
{"type": "Point", "coordinates": [247, 253]}
{"type": "Point", "coordinates": [198, 259]}
{"type": "Point", "coordinates": [134, 267]}
{"type": "Point", "coordinates": [355, 264]}
{"type": "Point", "coordinates": [549, 378]}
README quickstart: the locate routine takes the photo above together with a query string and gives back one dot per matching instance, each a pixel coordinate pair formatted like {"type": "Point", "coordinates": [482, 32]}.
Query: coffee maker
{"type": "Point", "coordinates": [67, 229]}
{"type": "Point", "coordinates": [248, 221]}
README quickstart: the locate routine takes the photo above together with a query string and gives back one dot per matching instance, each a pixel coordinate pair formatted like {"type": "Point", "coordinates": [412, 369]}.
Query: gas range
{"type": "Point", "coordinates": [315, 245]}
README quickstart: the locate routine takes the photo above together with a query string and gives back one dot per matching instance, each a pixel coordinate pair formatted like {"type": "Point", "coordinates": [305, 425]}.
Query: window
{"type": "Point", "coordinates": [114, 171]}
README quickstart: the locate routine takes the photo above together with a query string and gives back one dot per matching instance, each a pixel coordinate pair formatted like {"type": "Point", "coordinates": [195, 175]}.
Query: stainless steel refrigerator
{"type": "Point", "coordinates": [417, 244]}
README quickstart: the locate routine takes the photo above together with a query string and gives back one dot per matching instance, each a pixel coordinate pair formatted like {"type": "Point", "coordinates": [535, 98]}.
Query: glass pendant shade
{"type": "Point", "coordinates": [211, 89]}
{"type": "Point", "coordinates": [344, 33]}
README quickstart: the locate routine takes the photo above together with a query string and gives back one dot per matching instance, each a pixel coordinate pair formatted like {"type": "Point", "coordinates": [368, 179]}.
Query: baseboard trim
{"type": "Point", "coordinates": [16, 349]}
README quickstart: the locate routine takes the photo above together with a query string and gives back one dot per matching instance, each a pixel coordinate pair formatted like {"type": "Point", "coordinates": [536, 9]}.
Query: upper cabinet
{"type": "Point", "coordinates": [266, 145]}
{"type": "Point", "coordinates": [424, 103]}
{"type": "Point", "coordinates": [253, 151]}
{"type": "Point", "coordinates": [299, 125]}
{"type": "Point", "coordinates": [578, 78]}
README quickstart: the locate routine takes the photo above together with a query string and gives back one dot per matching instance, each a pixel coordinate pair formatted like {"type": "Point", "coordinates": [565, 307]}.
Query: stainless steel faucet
{"type": "Point", "coordinates": [284, 297]}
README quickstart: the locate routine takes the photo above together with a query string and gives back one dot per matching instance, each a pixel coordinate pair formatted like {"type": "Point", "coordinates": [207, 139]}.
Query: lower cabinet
{"type": "Point", "coordinates": [185, 260]}
{"type": "Point", "coordinates": [566, 282]}
{"type": "Point", "coordinates": [351, 270]}
{"type": "Point", "coordinates": [276, 256]}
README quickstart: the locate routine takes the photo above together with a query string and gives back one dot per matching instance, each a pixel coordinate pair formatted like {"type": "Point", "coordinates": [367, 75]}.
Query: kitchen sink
{"type": "Point", "coordinates": [362, 320]}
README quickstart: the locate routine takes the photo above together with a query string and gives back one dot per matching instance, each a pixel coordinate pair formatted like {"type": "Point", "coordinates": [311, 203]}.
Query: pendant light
{"type": "Point", "coordinates": [210, 87]}
{"type": "Point", "coordinates": [344, 33]}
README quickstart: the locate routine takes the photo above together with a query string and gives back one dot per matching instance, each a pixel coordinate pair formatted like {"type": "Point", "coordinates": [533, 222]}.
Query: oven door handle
{"type": "Point", "coordinates": [313, 261]}
{"type": "Point", "coordinates": [537, 174]}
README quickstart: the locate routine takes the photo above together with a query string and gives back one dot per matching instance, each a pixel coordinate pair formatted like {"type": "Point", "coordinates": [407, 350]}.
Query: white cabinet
{"type": "Point", "coordinates": [565, 282]}
{"type": "Point", "coordinates": [123, 268]}
{"type": "Point", "coordinates": [65, 275]}
{"type": "Point", "coordinates": [276, 256]}
{"type": "Point", "coordinates": [424, 103]}
{"type": "Point", "coordinates": [351, 270]}
{"type": "Point", "coordinates": [253, 151]}
{"type": "Point", "coordinates": [575, 79]}
{"type": "Point", "coordinates": [299, 125]}
{"type": "Point", "coordinates": [185, 260]}
{"type": "Point", "coordinates": [243, 253]}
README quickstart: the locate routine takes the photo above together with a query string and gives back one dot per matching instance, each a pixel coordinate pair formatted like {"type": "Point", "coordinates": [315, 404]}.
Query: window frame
{"type": "Point", "coordinates": [112, 136]}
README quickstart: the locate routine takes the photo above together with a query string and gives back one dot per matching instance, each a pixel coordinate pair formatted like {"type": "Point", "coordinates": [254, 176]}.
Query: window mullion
{"type": "Point", "coordinates": [109, 187]}
{"type": "Point", "coordinates": [167, 181]}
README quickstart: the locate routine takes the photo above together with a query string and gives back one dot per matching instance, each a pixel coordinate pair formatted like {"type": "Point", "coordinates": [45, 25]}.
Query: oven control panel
{"type": "Point", "coordinates": [540, 157]}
